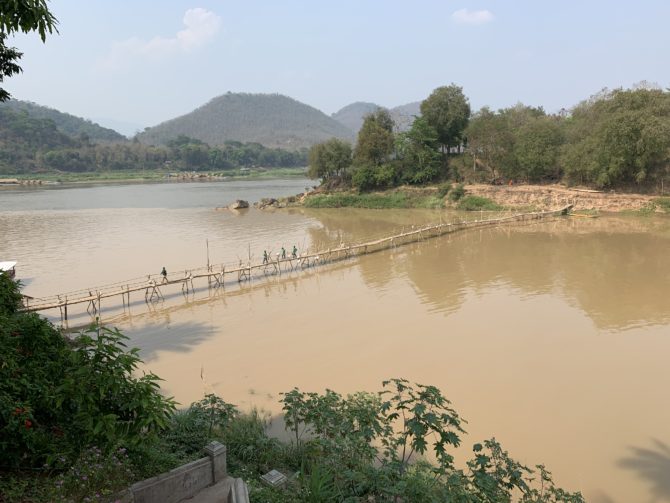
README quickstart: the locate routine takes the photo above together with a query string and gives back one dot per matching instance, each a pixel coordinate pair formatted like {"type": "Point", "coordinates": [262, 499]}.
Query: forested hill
{"type": "Point", "coordinates": [272, 120]}
{"type": "Point", "coordinates": [34, 145]}
{"type": "Point", "coordinates": [66, 123]}
{"type": "Point", "coordinates": [352, 115]}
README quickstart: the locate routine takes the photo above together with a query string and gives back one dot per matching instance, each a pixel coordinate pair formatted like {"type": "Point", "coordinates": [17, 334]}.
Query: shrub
{"type": "Point", "coordinates": [363, 178]}
{"type": "Point", "coordinates": [59, 396]}
{"type": "Point", "coordinates": [10, 295]}
{"type": "Point", "coordinates": [364, 448]}
{"type": "Point", "coordinates": [457, 192]}
{"type": "Point", "coordinates": [443, 189]}
{"type": "Point", "coordinates": [95, 476]}
{"type": "Point", "coordinates": [476, 203]}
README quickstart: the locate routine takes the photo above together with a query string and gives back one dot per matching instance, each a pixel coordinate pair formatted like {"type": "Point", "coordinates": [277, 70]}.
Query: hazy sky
{"type": "Point", "coordinates": [143, 61]}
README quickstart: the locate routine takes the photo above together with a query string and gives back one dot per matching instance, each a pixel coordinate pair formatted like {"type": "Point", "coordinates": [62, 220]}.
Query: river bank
{"type": "Point", "coordinates": [549, 196]}
{"type": "Point", "coordinates": [480, 197]}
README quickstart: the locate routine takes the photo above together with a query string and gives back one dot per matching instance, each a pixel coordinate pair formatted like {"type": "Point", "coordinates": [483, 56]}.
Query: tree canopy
{"type": "Point", "coordinates": [621, 138]}
{"type": "Point", "coordinates": [329, 159]}
{"type": "Point", "coordinates": [24, 16]}
{"type": "Point", "coordinates": [447, 110]}
{"type": "Point", "coordinates": [375, 139]}
{"type": "Point", "coordinates": [617, 138]}
{"type": "Point", "coordinates": [418, 153]}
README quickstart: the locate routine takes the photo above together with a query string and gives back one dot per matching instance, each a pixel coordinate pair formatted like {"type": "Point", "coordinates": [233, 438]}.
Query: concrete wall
{"type": "Point", "coordinates": [185, 481]}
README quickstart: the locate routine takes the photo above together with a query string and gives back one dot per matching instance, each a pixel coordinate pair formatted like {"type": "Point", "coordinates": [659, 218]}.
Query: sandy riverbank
{"type": "Point", "coordinates": [556, 196]}
{"type": "Point", "coordinates": [515, 197]}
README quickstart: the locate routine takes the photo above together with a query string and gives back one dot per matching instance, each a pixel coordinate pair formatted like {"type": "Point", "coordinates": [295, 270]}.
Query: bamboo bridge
{"type": "Point", "coordinates": [216, 274]}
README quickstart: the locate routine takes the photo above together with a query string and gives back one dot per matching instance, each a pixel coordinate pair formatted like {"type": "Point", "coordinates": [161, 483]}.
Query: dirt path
{"type": "Point", "coordinates": [555, 196]}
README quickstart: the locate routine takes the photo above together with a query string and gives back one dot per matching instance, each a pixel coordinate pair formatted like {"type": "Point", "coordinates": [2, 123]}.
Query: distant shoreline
{"type": "Point", "coordinates": [141, 176]}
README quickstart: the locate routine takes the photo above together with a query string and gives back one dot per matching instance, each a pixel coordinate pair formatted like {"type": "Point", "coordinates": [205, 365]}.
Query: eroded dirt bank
{"type": "Point", "coordinates": [555, 196]}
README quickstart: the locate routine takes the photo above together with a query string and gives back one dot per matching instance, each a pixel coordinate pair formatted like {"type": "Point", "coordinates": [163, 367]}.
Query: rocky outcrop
{"type": "Point", "coordinates": [239, 204]}
{"type": "Point", "coordinates": [283, 202]}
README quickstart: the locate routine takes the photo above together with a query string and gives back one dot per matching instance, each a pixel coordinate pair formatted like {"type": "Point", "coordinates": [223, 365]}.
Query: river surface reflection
{"type": "Point", "coordinates": [553, 337]}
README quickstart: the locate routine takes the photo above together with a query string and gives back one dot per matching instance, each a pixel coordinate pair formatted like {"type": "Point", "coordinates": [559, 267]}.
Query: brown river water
{"type": "Point", "coordinates": [552, 337]}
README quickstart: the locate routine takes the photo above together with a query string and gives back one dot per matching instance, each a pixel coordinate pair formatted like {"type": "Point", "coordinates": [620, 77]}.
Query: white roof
{"type": "Point", "coordinates": [6, 266]}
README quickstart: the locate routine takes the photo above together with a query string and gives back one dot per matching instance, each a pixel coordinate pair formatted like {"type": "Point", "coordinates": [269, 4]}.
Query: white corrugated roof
{"type": "Point", "coordinates": [6, 266]}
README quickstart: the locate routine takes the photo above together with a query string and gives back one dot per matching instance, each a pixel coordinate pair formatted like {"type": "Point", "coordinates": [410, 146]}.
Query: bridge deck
{"type": "Point", "coordinates": [151, 286]}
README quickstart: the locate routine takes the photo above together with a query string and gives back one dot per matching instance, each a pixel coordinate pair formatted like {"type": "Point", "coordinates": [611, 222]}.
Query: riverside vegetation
{"type": "Point", "coordinates": [616, 140]}
{"type": "Point", "coordinates": [76, 424]}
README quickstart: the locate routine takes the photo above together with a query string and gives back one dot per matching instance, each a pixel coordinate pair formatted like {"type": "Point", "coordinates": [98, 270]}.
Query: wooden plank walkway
{"type": "Point", "coordinates": [216, 275]}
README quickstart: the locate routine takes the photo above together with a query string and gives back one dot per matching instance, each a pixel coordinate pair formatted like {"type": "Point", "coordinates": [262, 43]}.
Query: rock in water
{"type": "Point", "coordinates": [238, 205]}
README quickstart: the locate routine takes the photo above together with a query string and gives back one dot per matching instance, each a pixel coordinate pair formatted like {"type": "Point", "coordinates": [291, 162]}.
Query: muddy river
{"type": "Point", "coordinates": [553, 337]}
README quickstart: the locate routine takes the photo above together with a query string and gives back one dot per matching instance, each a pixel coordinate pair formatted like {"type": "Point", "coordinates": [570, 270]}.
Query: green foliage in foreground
{"type": "Point", "coordinates": [21, 16]}
{"type": "Point", "coordinates": [58, 396]}
{"type": "Point", "coordinates": [74, 415]}
{"type": "Point", "coordinates": [374, 447]}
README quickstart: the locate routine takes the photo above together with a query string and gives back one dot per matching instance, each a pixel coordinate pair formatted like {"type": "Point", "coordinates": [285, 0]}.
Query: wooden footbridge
{"type": "Point", "coordinates": [216, 274]}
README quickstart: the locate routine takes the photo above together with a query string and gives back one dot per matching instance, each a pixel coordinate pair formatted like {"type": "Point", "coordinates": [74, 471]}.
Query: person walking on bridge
{"type": "Point", "coordinates": [164, 274]}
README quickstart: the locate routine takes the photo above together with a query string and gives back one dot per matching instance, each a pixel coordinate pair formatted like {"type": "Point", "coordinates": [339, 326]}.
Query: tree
{"type": "Point", "coordinates": [489, 141]}
{"type": "Point", "coordinates": [373, 152]}
{"type": "Point", "coordinates": [329, 159]}
{"type": "Point", "coordinates": [448, 111]}
{"type": "Point", "coordinates": [619, 138]}
{"type": "Point", "coordinates": [25, 16]}
{"type": "Point", "coordinates": [418, 151]}
{"type": "Point", "coordinates": [537, 149]}
{"type": "Point", "coordinates": [519, 142]}
{"type": "Point", "coordinates": [375, 139]}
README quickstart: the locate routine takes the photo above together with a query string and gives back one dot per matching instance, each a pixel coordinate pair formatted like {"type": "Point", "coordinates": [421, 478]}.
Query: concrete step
{"type": "Point", "coordinates": [229, 490]}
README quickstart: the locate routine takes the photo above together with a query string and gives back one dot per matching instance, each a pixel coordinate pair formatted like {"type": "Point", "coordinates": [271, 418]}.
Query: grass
{"type": "Point", "coordinates": [652, 207]}
{"type": "Point", "coordinates": [663, 203]}
{"type": "Point", "coordinates": [587, 212]}
{"type": "Point", "coordinates": [477, 203]}
{"type": "Point", "coordinates": [385, 200]}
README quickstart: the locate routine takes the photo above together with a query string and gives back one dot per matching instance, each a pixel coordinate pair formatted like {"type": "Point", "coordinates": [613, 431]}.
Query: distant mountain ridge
{"type": "Point", "coordinates": [273, 120]}
{"type": "Point", "coordinates": [65, 123]}
{"type": "Point", "coordinates": [404, 115]}
{"type": "Point", "coordinates": [352, 115]}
